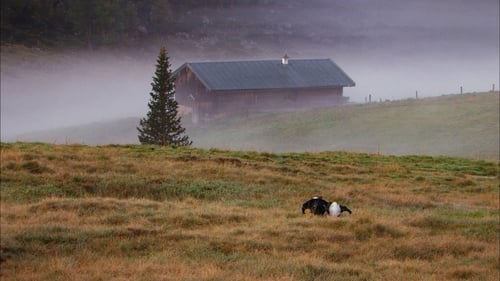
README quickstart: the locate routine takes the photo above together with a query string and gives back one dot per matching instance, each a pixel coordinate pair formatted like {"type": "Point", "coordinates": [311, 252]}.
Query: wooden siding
{"type": "Point", "coordinates": [205, 104]}
{"type": "Point", "coordinates": [276, 100]}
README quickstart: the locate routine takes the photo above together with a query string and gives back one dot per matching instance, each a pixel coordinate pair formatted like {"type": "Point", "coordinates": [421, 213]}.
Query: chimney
{"type": "Point", "coordinates": [284, 60]}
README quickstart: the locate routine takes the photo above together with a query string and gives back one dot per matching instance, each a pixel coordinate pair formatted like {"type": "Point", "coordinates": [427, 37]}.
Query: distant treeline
{"type": "Point", "coordinates": [96, 22]}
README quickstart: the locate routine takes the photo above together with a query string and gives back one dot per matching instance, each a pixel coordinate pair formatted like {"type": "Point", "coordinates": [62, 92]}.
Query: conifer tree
{"type": "Point", "coordinates": [162, 125]}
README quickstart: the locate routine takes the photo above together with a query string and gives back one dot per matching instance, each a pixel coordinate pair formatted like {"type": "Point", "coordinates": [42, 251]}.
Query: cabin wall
{"type": "Point", "coordinates": [205, 104]}
{"type": "Point", "coordinates": [188, 88]}
{"type": "Point", "coordinates": [276, 100]}
{"type": "Point", "coordinates": [190, 92]}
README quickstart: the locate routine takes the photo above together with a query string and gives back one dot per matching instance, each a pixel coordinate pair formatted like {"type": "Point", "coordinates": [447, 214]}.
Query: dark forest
{"type": "Point", "coordinates": [97, 23]}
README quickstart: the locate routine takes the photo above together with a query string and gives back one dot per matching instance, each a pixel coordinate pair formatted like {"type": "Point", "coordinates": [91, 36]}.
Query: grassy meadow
{"type": "Point", "coordinates": [74, 212]}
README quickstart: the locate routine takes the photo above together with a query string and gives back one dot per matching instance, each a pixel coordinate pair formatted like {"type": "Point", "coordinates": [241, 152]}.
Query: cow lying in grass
{"type": "Point", "coordinates": [318, 206]}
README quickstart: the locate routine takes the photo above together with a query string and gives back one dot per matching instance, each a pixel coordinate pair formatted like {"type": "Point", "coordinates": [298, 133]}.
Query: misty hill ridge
{"type": "Point", "coordinates": [455, 125]}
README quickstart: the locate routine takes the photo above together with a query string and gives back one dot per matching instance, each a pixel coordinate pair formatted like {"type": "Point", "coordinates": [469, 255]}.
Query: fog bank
{"type": "Point", "coordinates": [390, 48]}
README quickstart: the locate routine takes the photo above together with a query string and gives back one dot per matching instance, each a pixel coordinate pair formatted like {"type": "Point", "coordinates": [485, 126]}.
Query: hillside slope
{"type": "Point", "coordinates": [456, 125]}
{"type": "Point", "coordinates": [118, 131]}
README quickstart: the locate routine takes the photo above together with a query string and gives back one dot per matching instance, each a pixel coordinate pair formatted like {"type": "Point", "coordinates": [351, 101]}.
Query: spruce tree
{"type": "Point", "coordinates": [162, 125]}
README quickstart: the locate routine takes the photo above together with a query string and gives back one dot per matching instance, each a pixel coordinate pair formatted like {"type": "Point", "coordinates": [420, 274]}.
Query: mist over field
{"type": "Point", "coordinates": [391, 49]}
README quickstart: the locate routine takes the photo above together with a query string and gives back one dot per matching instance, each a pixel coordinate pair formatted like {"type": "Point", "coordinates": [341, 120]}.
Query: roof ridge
{"type": "Point", "coordinates": [259, 60]}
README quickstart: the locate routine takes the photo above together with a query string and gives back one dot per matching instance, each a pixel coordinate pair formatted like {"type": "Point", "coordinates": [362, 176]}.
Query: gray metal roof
{"type": "Point", "coordinates": [269, 74]}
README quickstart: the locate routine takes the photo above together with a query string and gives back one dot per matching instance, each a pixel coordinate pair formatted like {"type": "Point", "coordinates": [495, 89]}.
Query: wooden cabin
{"type": "Point", "coordinates": [216, 89]}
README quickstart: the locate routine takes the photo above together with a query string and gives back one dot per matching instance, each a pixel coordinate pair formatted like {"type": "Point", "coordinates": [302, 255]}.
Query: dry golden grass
{"type": "Point", "coordinates": [149, 213]}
